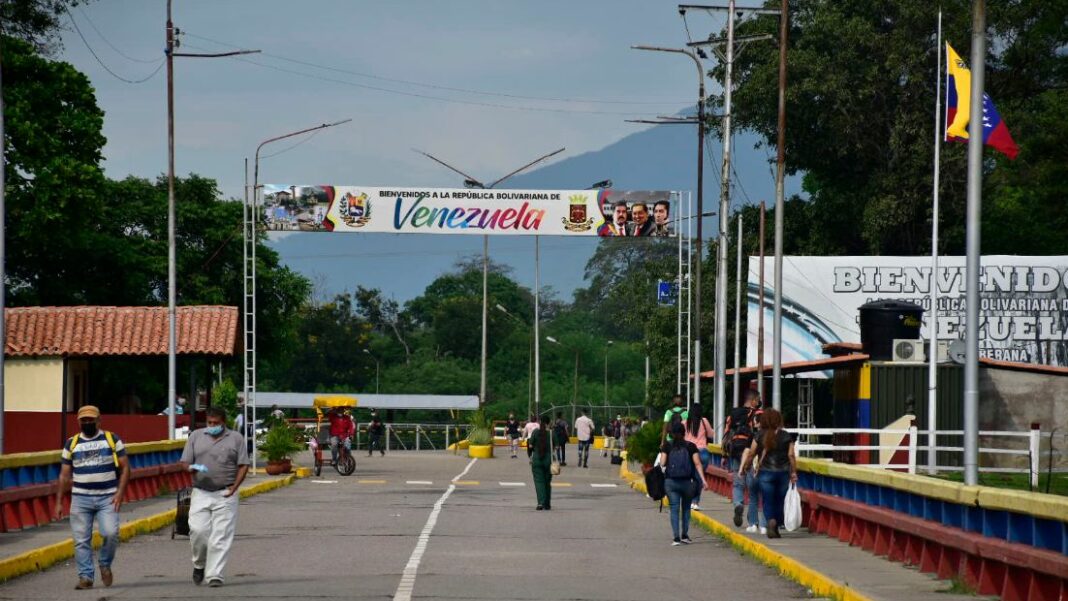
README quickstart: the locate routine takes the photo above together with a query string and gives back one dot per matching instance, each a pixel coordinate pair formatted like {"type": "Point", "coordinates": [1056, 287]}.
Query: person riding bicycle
{"type": "Point", "coordinates": [341, 432]}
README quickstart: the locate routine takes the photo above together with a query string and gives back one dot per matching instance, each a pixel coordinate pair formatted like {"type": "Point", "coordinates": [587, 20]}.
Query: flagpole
{"type": "Point", "coordinates": [973, 210]}
{"type": "Point", "coordinates": [932, 315]}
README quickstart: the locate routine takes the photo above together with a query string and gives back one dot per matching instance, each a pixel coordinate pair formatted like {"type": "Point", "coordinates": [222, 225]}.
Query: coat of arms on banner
{"type": "Point", "coordinates": [577, 220]}
{"type": "Point", "coordinates": [355, 210]}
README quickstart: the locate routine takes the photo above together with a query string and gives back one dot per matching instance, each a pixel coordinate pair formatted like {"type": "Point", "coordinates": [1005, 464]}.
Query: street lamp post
{"type": "Point", "coordinates": [700, 180]}
{"type": "Point", "coordinates": [530, 360]}
{"type": "Point", "coordinates": [250, 232]}
{"type": "Point", "coordinates": [606, 347]}
{"type": "Point", "coordinates": [470, 182]}
{"type": "Point", "coordinates": [172, 42]}
{"type": "Point", "coordinates": [574, 393]}
{"type": "Point", "coordinates": [377, 367]}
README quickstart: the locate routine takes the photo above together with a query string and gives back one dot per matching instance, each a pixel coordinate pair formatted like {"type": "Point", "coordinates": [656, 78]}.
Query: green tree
{"type": "Point", "coordinates": [860, 99]}
{"type": "Point", "coordinates": [36, 22]}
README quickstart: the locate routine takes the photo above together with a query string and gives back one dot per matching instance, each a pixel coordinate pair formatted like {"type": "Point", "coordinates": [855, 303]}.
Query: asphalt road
{"type": "Point", "coordinates": [338, 537]}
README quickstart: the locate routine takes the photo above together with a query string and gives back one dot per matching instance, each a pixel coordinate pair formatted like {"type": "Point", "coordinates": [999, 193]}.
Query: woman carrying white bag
{"type": "Point", "coordinates": [776, 470]}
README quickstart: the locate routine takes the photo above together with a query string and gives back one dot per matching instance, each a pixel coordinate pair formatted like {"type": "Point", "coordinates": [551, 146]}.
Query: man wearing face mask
{"type": "Point", "coordinates": [219, 462]}
{"type": "Point", "coordinates": [95, 469]}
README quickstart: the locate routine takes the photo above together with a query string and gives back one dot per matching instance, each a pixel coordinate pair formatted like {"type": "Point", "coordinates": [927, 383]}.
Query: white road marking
{"type": "Point", "coordinates": [419, 482]}
{"type": "Point", "coordinates": [513, 483]}
{"type": "Point", "coordinates": [407, 581]}
{"type": "Point", "coordinates": [596, 485]}
{"type": "Point", "coordinates": [324, 481]}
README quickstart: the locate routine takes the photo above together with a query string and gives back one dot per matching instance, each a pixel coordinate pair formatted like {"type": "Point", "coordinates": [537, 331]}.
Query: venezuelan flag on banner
{"type": "Point", "coordinates": [958, 109]}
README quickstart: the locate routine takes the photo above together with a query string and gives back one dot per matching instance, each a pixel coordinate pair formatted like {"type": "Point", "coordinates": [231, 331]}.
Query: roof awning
{"type": "Point", "coordinates": [798, 367]}
{"type": "Point", "coordinates": [306, 400]}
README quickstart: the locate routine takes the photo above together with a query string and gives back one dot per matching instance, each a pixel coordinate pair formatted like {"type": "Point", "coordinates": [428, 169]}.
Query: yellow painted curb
{"type": "Point", "coordinates": [820, 584]}
{"type": "Point", "coordinates": [47, 556]}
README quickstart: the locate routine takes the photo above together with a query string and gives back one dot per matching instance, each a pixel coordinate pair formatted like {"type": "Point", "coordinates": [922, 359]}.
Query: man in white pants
{"type": "Point", "coordinates": [219, 462]}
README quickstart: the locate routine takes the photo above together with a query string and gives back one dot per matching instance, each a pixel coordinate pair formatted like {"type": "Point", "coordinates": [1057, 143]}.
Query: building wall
{"type": "Point", "coordinates": [34, 384]}
{"type": "Point", "coordinates": [1013, 400]}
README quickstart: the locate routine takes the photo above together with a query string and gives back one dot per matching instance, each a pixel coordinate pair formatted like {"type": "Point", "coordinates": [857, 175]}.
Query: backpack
{"type": "Point", "coordinates": [739, 432]}
{"type": "Point", "coordinates": [560, 432]}
{"type": "Point", "coordinates": [108, 436]}
{"type": "Point", "coordinates": [654, 483]}
{"type": "Point", "coordinates": [679, 463]}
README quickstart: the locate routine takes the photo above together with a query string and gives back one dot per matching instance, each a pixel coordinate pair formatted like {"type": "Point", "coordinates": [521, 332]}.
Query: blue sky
{"type": "Point", "coordinates": [322, 61]}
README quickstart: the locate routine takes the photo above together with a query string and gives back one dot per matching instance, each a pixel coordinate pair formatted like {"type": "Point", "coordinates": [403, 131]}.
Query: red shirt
{"type": "Point", "coordinates": [341, 426]}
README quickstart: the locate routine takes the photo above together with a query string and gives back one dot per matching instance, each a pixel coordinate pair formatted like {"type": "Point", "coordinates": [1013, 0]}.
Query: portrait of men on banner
{"type": "Point", "coordinates": [636, 214]}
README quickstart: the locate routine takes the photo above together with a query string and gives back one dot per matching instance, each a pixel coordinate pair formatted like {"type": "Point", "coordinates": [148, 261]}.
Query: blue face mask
{"type": "Point", "coordinates": [214, 430]}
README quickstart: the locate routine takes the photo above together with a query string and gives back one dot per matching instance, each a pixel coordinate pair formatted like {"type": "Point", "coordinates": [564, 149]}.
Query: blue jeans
{"type": "Point", "coordinates": [83, 510]}
{"type": "Point", "coordinates": [748, 483]}
{"type": "Point", "coordinates": [584, 451]}
{"type": "Point", "coordinates": [678, 494]}
{"type": "Point", "coordinates": [706, 458]}
{"type": "Point", "coordinates": [773, 485]}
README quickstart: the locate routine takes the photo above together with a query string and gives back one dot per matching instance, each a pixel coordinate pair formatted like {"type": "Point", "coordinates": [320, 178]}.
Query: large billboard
{"type": "Point", "coordinates": [395, 210]}
{"type": "Point", "coordinates": [1023, 303]}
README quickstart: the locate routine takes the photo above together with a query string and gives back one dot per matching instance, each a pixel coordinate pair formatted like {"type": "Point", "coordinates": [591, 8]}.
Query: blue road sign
{"type": "Point", "coordinates": [666, 293]}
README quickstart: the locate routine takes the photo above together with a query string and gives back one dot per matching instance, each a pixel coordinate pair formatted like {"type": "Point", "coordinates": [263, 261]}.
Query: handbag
{"type": "Point", "coordinates": [554, 465]}
{"type": "Point", "coordinates": [792, 509]}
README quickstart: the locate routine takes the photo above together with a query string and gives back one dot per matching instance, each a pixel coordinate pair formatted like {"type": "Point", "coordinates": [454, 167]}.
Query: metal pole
{"type": "Point", "coordinates": [973, 211]}
{"type": "Point", "coordinates": [760, 308]}
{"type": "Point", "coordinates": [696, 378]}
{"type": "Point", "coordinates": [932, 315]}
{"type": "Point", "coordinates": [485, 296]}
{"type": "Point", "coordinates": [172, 367]}
{"type": "Point", "coordinates": [537, 322]}
{"type": "Point", "coordinates": [780, 170]}
{"type": "Point", "coordinates": [678, 305]}
{"type": "Point", "coordinates": [737, 317]}
{"type": "Point", "coordinates": [378, 366]}
{"type": "Point", "coordinates": [3, 268]}
{"type": "Point", "coordinates": [689, 301]}
{"type": "Point", "coordinates": [721, 247]}
{"type": "Point", "coordinates": [244, 315]}
{"type": "Point", "coordinates": [574, 394]}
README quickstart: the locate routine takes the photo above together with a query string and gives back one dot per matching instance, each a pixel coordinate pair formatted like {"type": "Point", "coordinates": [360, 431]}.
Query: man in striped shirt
{"type": "Point", "coordinates": [95, 462]}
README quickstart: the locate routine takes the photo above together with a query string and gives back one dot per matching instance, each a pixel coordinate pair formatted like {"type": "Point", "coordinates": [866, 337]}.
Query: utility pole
{"type": "Point", "coordinates": [780, 174]}
{"type": "Point", "coordinates": [737, 316]}
{"type": "Point", "coordinates": [171, 35]}
{"type": "Point", "coordinates": [727, 56]}
{"type": "Point", "coordinates": [760, 308]}
{"type": "Point", "coordinates": [3, 265]}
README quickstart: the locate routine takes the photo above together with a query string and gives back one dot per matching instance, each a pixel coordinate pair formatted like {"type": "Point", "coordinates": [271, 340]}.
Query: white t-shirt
{"type": "Point", "coordinates": [529, 429]}
{"type": "Point", "coordinates": [583, 428]}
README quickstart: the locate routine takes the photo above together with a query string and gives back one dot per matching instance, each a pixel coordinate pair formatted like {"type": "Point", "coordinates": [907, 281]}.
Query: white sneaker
{"type": "Point", "coordinates": [695, 506]}
{"type": "Point", "coordinates": [763, 530]}
{"type": "Point", "coordinates": [751, 528]}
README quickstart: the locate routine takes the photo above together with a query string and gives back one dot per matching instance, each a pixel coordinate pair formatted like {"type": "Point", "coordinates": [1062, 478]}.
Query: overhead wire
{"type": "Point", "coordinates": [294, 145]}
{"type": "Point", "coordinates": [108, 42]}
{"type": "Point", "coordinates": [429, 96]}
{"type": "Point", "coordinates": [102, 64]}
{"type": "Point", "coordinates": [443, 87]}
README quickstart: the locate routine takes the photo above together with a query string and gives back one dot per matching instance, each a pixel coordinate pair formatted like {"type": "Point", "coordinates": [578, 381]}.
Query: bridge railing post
{"type": "Point", "coordinates": [913, 445]}
{"type": "Point", "coordinates": [1035, 448]}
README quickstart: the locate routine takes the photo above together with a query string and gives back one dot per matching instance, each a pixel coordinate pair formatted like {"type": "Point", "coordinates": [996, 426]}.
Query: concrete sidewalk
{"type": "Point", "coordinates": [13, 544]}
{"type": "Point", "coordinates": [874, 577]}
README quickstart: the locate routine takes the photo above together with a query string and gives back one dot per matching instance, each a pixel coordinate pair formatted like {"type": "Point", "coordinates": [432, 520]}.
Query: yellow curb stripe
{"type": "Point", "coordinates": [819, 583]}
{"type": "Point", "coordinates": [44, 557]}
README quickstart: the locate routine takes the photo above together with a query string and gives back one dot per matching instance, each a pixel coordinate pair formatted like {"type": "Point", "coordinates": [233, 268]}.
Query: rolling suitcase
{"type": "Point", "coordinates": [181, 518]}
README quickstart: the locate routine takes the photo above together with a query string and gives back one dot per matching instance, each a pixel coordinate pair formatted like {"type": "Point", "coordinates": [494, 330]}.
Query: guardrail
{"type": "Point", "coordinates": [906, 453]}
{"type": "Point", "coordinates": [1012, 544]}
{"type": "Point", "coordinates": [28, 481]}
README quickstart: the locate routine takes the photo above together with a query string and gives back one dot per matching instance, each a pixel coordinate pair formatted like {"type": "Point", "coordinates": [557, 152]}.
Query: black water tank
{"type": "Point", "coordinates": [883, 321]}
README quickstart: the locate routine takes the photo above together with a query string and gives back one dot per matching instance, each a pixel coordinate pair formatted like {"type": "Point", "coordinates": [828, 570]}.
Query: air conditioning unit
{"type": "Point", "coordinates": [907, 350]}
{"type": "Point", "coordinates": [943, 351]}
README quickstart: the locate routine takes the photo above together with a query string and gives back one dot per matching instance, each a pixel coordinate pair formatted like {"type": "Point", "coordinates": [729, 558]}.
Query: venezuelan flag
{"type": "Point", "coordinates": [958, 109]}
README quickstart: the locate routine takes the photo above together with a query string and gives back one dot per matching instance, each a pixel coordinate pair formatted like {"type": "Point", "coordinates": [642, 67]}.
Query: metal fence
{"type": "Point", "coordinates": [1021, 450]}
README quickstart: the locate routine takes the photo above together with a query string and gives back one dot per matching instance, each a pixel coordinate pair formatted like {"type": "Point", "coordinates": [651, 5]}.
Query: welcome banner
{"type": "Point", "coordinates": [395, 210]}
{"type": "Point", "coordinates": [1023, 312]}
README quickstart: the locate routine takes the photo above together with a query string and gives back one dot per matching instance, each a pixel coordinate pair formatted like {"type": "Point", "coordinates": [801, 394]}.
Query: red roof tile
{"type": "Point", "coordinates": [94, 331]}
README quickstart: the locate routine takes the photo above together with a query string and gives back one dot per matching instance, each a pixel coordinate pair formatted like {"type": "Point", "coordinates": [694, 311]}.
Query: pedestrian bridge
{"type": "Point", "coordinates": [422, 524]}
